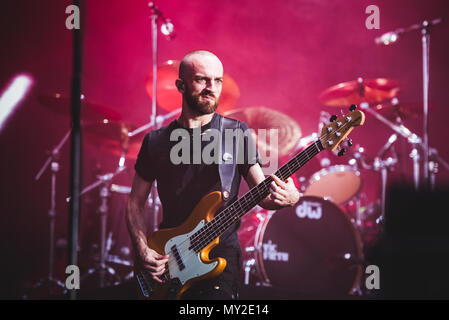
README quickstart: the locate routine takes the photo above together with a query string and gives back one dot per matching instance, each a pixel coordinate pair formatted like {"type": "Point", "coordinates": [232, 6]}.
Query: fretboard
{"type": "Point", "coordinates": [232, 213]}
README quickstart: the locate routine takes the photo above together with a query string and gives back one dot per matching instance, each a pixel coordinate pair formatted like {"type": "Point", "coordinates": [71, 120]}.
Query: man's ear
{"type": "Point", "coordinates": [180, 85]}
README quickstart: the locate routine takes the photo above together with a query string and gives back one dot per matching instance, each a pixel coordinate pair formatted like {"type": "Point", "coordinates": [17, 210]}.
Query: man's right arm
{"type": "Point", "coordinates": [138, 229]}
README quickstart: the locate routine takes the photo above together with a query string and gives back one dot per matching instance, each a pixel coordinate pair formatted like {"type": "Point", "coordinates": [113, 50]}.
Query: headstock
{"type": "Point", "coordinates": [336, 131]}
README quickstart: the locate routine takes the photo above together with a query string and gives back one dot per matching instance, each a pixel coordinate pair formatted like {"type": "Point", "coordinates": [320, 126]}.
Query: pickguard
{"type": "Point", "coordinates": [194, 266]}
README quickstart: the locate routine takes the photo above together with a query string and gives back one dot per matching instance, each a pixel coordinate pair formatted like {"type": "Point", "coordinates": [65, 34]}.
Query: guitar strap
{"type": "Point", "coordinates": [228, 165]}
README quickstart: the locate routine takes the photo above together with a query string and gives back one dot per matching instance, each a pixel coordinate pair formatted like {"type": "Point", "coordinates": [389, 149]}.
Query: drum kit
{"type": "Point", "coordinates": [318, 245]}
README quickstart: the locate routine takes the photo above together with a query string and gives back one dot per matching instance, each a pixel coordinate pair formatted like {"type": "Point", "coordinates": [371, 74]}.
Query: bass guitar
{"type": "Point", "coordinates": [188, 245]}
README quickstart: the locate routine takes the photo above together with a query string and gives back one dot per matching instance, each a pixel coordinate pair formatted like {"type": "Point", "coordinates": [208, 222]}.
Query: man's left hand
{"type": "Point", "coordinates": [282, 193]}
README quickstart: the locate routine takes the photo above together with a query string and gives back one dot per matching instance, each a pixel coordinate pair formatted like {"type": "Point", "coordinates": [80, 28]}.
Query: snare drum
{"type": "Point", "coordinates": [339, 183]}
{"type": "Point", "coordinates": [311, 249]}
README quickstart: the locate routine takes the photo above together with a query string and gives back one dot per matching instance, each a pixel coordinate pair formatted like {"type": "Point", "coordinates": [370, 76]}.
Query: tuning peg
{"type": "Point", "coordinates": [352, 107]}
{"type": "Point", "coordinates": [349, 142]}
{"type": "Point", "coordinates": [341, 152]}
{"type": "Point", "coordinates": [333, 118]}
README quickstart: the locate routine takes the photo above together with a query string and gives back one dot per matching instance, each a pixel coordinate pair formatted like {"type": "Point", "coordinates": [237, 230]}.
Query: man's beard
{"type": "Point", "coordinates": [202, 107]}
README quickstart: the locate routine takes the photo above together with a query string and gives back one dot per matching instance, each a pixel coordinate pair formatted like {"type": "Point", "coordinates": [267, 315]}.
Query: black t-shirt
{"type": "Point", "coordinates": [181, 186]}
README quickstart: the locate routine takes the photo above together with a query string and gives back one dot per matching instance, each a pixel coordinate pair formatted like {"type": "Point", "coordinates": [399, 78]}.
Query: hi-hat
{"type": "Point", "coordinates": [358, 91]}
{"type": "Point", "coordinates": [58, 103]}
{"type": "Point", "coordinates": [169, 98]}
{"type": "Point", "coordinates": [289, 132]}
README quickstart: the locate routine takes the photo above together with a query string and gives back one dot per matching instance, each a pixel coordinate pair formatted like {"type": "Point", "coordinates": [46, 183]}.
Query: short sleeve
{"type": "Point", "coordinates": [251, 156]}
{"type": "Point", "coordinates": [145, 165]}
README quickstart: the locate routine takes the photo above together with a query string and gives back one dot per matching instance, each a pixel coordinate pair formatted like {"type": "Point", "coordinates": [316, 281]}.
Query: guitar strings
{"type": "Point", "coordinates": [295, 165]}
{"type": "Point", "coordinates": [223, 214]}
{"type": "Point", "coordinates": [244, 204]}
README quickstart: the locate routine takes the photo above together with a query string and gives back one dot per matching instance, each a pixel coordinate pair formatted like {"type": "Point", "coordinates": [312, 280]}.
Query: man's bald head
{"type": "Point", "coordinates": [197, 57]}
{"type": "Point", "coordinates": [200, 81]}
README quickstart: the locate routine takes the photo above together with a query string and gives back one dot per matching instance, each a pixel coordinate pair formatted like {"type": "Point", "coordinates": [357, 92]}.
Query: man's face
{"type": "Point", "coordinates": [203, 83]}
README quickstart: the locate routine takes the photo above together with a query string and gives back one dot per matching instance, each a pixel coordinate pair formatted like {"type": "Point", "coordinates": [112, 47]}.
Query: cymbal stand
{"type": "Point", "coordinates": [104, 182]}
{"type": "Point", "coordinates": [424, 29]}
{"type": "Point", "coordinates": [54, 165]}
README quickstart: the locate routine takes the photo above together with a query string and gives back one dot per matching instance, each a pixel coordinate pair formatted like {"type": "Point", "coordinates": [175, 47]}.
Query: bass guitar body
{"type": "Point", "coordinates": [185, 265]}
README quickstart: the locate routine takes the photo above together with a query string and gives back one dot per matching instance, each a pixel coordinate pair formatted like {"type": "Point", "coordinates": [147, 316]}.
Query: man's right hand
{"type": "Point", "coordinates": [153, 262]}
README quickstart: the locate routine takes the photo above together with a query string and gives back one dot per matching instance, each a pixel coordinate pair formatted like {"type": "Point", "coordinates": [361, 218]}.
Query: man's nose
{"type": "Point", "coordinates": [212, 86]}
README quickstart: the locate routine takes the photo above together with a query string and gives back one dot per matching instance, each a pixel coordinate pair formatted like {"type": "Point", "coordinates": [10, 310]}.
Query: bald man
{"type": "Point", "coordinates": [181, 186]}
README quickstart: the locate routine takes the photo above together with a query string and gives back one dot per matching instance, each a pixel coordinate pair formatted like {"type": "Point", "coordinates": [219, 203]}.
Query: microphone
{"type": "Point", "coordinates": [167, 28]}
{"type": "Point", "coordinates": [392, 36]}
{"type": "Point", "coordinates": [387, 38]}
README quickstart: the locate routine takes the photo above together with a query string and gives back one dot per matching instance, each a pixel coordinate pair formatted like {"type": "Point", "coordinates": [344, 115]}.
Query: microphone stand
{"type": "Point", "coordinates": [156, 15]}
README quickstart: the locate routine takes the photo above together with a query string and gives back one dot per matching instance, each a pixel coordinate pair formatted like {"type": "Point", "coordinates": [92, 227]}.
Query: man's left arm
{"type": "Point", "coordinates": [282, 193]}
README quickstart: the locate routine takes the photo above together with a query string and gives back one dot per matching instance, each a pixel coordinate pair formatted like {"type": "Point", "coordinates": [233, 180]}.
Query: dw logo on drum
{"type": "Point", "coordinates": [311, 210]}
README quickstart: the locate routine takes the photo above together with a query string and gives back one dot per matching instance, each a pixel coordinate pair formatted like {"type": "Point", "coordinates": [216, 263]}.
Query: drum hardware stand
{"type": "Point", "coordinates": [414, 155]}
{"type": "Point", "coordinates": [104, 182]}
{"type": "Point", "coordinates": [417, 148]}
{"type": "Point", "coordinates": [403, 131]}
{"type": "Point", "coordinates": [424, 28]}
{"type": "Point", "coordinates": [358, 220]}
{"type": "Point", "coordinates": [105, 244]}
{"type": "Point", "coordinates": [434, 161]}
{"type": "Point", "coordinates": [383, 166]}
{"type": "Point", "coordinates": [54, 165]}
{"type": "Point", "coordinates": [248, 267]}
{"type": "Point", "coordinates": [250, 264]}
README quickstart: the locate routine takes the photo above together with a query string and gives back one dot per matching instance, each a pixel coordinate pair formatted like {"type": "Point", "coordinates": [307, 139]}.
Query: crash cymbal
{"type": "Point", "coordinates": [89, 111]}
{"type": "Point", "coordinates": [112, 137]}
{"type": "Point", "coordinates": [289, 132]}
{"type": "Point", "coordinates": [169, 98]}
{"type": "Point", "coordinates": [360, 90]}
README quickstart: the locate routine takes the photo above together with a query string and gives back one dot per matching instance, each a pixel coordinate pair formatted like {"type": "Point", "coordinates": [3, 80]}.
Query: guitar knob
{"type": "Point", "coordinates": [352, 107]}
{"type": "Point", "coordinates": [333, 118]}
{"type": "Point", "coordinates": [341, 152]}
{"type": "Point", "coordinates": [349, 142]}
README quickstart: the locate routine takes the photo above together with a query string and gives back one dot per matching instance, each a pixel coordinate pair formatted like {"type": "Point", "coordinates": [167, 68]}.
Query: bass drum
{"type": "Point", "coordinates": [312, 249]}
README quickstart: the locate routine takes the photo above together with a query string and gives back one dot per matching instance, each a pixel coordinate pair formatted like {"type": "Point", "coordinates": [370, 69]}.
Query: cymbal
{"type": "Point", "coordinates": [112, 137]}
{"type": "Point", "coordinates": [168, 96]}
{"type": "Point", "coordinates": [394, 110]}
{"type": "Point", "coordinates": [358, 91]}
{"type": "Point", "coordinates": [89, 111]}
{"type": "Point", "coordinates": [289, 132]}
